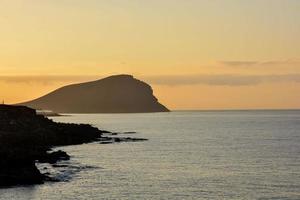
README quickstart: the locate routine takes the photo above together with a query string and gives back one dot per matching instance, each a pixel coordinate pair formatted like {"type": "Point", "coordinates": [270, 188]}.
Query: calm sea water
{"type": "Point", "coordinates": [189, 155]}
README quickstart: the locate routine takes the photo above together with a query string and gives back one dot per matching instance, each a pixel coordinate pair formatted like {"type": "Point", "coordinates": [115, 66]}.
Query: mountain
{"type": "Point", "coordinates": [114, 94]}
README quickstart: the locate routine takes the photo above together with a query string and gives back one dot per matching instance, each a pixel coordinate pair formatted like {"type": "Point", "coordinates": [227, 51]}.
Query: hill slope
{"type": "Point", "coordinates": [114, 94]}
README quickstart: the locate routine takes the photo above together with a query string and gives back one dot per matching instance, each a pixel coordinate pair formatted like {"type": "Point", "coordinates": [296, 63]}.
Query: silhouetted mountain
{"type": "Point", "coordinates": [114, 94]}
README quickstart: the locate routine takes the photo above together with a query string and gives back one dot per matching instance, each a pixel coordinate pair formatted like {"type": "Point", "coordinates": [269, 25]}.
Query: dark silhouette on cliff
{"type": "Point", "coordinates": [114, 94]}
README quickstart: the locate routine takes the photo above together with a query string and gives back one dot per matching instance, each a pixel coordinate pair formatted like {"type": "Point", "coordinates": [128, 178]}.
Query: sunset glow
{"type": "Point", "coordinates": [196, 54]}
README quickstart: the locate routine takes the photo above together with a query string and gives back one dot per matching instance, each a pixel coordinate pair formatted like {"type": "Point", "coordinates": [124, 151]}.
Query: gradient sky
{"type": "Point", "coordinates": [197, 54]}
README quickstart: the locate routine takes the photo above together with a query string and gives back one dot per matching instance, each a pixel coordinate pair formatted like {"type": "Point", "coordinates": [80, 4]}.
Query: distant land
{"type": "Point", "coordinates": [114, 94]}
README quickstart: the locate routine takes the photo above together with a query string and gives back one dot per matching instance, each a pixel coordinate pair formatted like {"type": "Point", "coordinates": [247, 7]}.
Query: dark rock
{"type": "Point", "coordinates": [106, 142]}
{"type": "Point", "coordinates": [129, 132]}
{"type": "Point", "coordinates": [117, 139]}
{"type": "Point", "coordinates": [129, 139]}
{"type": "Point", "coordinates": [57, 166]}
{"type": "Point", "coordinates": [54, 157]}
{"type": "Point", "coordinates": [26, 137]}
{"type": "Point", "coordinates": [20, 174]}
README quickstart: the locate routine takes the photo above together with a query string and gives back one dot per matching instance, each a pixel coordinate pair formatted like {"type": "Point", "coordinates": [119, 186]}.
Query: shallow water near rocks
{"type": "Point", "coordinates": [189, 155]}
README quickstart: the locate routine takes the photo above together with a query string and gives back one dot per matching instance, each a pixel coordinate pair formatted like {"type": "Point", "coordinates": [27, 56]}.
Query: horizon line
{"type": "Point", "coordinates": [238, 109]}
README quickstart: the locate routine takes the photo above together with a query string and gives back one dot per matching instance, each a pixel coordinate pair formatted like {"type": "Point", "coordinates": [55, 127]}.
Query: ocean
{"type": "Point", "coordinates": [189, 155]}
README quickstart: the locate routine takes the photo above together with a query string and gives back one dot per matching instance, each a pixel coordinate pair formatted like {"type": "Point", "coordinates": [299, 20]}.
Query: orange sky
{"type": "Point", "coordinates": [197, 54]}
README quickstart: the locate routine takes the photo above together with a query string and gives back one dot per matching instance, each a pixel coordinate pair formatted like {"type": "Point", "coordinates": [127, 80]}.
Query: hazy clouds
{"type": "Point", "coordinates": [261, 63]}
{"type": "Point", "coordinates": [239, 63]}
{"type": "Point", "coordinates": [179, 80]}
{"type": "Point", "coordinates": [45, 79]}
{"type": "Point", "coordinates": [225, 80]}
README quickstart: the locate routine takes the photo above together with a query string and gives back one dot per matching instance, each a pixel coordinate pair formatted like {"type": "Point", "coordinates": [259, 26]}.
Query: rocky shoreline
{"type": "Point", "coordinates": [26, 138]}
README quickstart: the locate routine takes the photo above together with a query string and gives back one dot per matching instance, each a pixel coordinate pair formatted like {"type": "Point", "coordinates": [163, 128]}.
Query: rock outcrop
{"type": "Point", "coordinates": [114, 94]}
{"type": "Point", "coordinates": [26, 137]}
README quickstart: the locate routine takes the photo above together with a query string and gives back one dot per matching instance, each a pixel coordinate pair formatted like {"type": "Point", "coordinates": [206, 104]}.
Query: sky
{"type": "Point", "coordinates": [196, 54]}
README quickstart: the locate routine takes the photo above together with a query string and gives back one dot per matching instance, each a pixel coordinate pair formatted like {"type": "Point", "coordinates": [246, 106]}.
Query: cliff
{"type": "Point", "coordinates": [114, 94]}
{"type": "Point", "coordinates": [26, 137]}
